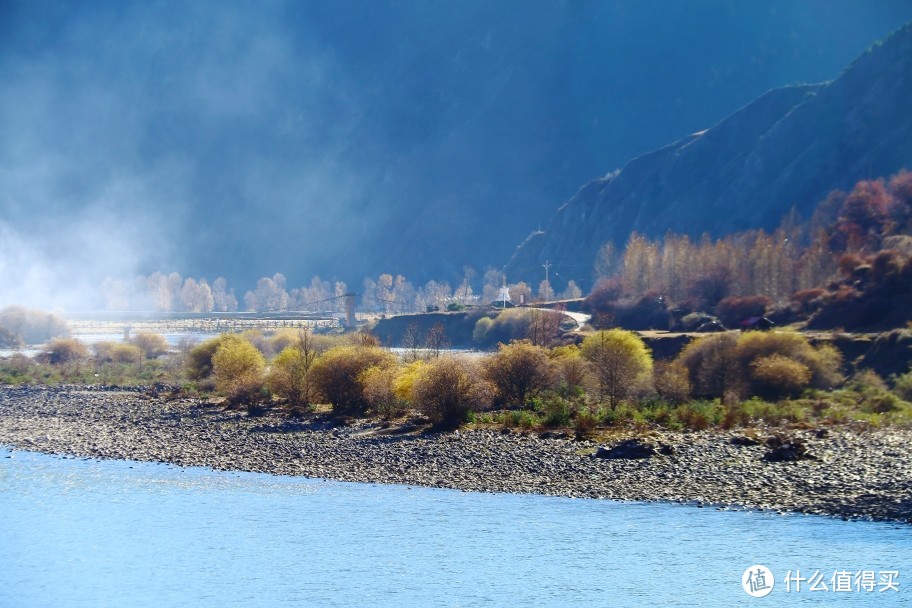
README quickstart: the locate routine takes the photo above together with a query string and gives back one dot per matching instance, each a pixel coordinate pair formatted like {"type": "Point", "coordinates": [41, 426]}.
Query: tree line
{"type": "Point", "coordinates": [386, 294]}
{"type": "Point", "coordinates": [799, 270]}
{"type": "Point", "coordinates": [611, 377]}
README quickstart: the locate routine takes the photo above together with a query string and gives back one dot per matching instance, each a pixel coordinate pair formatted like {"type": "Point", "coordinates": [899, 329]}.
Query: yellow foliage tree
{"type": "Point", "coordinates": [620, 361]}
{"type": "Point", "coordinates": [238, 367]}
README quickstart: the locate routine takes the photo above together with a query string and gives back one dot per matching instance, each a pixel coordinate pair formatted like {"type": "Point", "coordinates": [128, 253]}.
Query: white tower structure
{"type": "Point", "coordinates": [503, 296]}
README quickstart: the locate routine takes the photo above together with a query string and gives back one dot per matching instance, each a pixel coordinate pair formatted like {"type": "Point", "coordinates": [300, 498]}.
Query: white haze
{"type": "Point", "coordinates": [89, 190]}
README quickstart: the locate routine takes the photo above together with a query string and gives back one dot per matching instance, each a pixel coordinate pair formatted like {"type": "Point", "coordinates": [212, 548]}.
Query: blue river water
{"type": "Point", "coordinates": [114, 533]}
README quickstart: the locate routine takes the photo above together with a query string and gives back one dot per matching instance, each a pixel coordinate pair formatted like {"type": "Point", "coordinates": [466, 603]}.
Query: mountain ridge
{"type": "Point", "coordinates": [787, 148]}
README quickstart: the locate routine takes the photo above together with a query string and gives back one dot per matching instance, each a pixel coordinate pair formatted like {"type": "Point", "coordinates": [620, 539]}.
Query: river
{"type": "Point", "coordinates": [116, 533]}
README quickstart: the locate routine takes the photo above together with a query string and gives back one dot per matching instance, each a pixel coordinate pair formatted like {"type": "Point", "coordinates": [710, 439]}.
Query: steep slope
{"type": "Point", "coordinates": [790, 147]}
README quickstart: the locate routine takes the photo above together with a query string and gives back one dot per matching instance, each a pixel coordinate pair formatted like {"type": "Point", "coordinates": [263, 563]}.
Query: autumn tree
{"type": "Point", "coordinates": [545, 291]}
{"type": "Point", "coordinates": [223, 299]}
{"type": "Point", "coordinates": [864, 215]}
{"type": "Point", "coordinates": [337, 375]}
{"type": "Point", "coordinates": [604, 296]}
{"type": "Point", "coordinates": [570, 368]}
{"type": "Point", "coordinates": [433, 295]}
{"type": "Point", "coordinates": [196, 296]}
{"type": "Point", "coordinates": [607, 262]}
{"type": "Point", "coordinates": [519, 370]}
{"type": "Point", "coordinates": [436, 339]}
{"type": "Point", "coordinates": [822, 363]}
{"type": "Point", "coordinates": [152, 345]}
{"type": "Point", "coordinates": [900, 188]}
{"type": "Point", "coordinates": [289, 375]}
{"type": "Point", "coordinates": [571, 292]}
{"type": "Point", "coordinates": [544, 327]}
{"type": "Point", "coordinates": [378, 385]}
{"type": "Point", "coordinates": [732, 310]}
{"type": "Point", "coordinates": [198, 364]}
{"type": "Point", "coordinates": [520, 293]}
{"type": "Point", "coordinates": [270, 294]}
{"type": "Point", "coordinates": [712, 366]}
{"type": "Point", "coordinates": [411, 342]}
{"type": "Point", "coordinates": [62, 351]}
{"type": "Point", "coordinates": [671, 381]}
{"type": "Point", "coordinates": [620, 362]}
{"type": "Point", "coordinates": [10, 340]}
{"type": "Point", "coordinates": [237, 368]}
{"type": "Point", "coordinates": [449, 388]}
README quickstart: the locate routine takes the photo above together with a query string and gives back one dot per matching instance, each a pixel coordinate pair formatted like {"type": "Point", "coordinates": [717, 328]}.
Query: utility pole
{"type": "Point", "coordinates": [548, 292]}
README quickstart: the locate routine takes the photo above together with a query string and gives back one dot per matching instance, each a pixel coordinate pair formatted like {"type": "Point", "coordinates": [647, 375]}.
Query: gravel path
{"type": "Point", "coordinates": [853, 474]}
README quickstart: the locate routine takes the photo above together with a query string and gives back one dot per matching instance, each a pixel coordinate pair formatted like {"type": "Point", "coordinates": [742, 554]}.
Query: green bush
{"type": "Point", "coordinates": [510, 324]}
{"type": "Point", "coordinates": [699, 415]}
{"type": "Point", "coordinates": [881, 402]}
{"type": "Point", "coordinates": [554, 410]}
{"type": "Point", "coordinates": [584, 423]}
{"type": "Point", "coordinates": [866, 380]}
{"type": "Point", "coordinates": [482, 327]}
{"type": "Point", "coordinates": [17, 369]}
{"type": "Point", "coordinates": [902, 386]}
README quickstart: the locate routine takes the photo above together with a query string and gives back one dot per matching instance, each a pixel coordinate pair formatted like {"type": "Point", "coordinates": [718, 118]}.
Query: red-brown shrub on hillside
{"type": "Point", "coordinates": [604, 295]}
{"type": "Point", "coordinates": [808, 300]}
{"type": "Point", "coordinates": [864, 214]}
{"type": "Point", "coordinates": [712, 286]}
{"type": "Point", "coordinates": [648, 312]}
{"type": "Point", "coordinates": [735, 309]}
{"type": "Point", "coordinates": [887, 265]}
{"type": "Point", "coordinates": [849, 264]}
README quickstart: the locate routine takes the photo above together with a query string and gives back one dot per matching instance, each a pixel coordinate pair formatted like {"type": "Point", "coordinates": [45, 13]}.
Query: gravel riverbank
{"type": "Point", "coordinates": [854, 474]}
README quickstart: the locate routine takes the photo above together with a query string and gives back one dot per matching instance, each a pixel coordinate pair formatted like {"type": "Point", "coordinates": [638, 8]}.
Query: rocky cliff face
{"type": "Point", "coordinates": [788, 148]}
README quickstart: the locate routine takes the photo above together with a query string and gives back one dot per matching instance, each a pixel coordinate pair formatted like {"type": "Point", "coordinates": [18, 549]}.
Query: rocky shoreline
{"type": "Point", "coordinates": [850, 473]}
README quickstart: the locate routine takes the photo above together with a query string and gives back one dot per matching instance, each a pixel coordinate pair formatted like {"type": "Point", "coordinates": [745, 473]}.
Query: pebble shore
{"type": "Point", "coordinates": [852, 473]}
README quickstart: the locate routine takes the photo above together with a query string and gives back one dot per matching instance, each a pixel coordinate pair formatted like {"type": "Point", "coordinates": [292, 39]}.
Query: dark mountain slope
{"type": "Point", "coordinates": [790, 147]}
